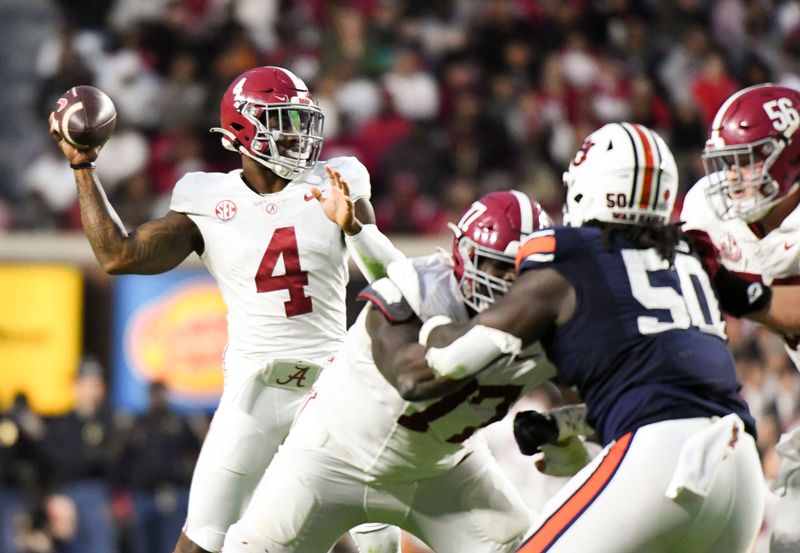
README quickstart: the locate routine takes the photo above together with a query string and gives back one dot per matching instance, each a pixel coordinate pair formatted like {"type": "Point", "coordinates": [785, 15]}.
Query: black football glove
{"type": "Point", "coordinates": [533, 429]}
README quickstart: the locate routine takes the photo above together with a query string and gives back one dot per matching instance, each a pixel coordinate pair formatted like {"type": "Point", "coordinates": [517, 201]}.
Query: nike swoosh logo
{"type": "Point", "coordinates": [308, 197]}
{"type": "Point", "coordinates": [62, 103]}
{"type": "Point", "coordinates": [788, 246]}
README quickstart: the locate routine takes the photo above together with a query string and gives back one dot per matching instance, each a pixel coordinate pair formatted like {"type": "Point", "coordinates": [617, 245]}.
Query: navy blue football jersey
{"type": "Point", "coordinates": [646, 342]}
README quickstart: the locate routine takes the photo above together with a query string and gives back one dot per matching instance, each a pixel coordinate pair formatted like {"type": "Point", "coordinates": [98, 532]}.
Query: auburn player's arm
{"type": "Point", "coordinates": [539, 300]}
{"type": "Point", "coordinates": [154, 247]}
{"type": "Point", "coordinates": [401, 359]}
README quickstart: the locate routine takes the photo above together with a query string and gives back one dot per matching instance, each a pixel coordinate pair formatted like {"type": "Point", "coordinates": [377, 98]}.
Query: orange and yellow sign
{"type": "Point", "coordinates": [40, 335]}
{"type": "Point", "coordinates": [172, 329]}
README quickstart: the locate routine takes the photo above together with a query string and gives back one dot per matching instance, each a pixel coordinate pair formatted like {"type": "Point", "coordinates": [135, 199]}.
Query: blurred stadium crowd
{"type": "Point", "coordinates": [442, 100]}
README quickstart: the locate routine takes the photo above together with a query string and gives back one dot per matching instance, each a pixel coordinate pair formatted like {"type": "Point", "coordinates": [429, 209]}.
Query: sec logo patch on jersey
{"type": "Point", "coordinates": [225, 210]}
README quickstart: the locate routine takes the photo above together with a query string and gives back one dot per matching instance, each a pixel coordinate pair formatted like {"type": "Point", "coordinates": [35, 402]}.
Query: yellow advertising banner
{"type": "Point", "coordinates": [40, 335]}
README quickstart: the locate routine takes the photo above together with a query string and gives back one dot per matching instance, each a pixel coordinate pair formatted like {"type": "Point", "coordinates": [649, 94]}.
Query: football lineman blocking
{"type": "Point", "coordinates": [747, 208]}
{"type": "Point", "coordinates": [384, 439]}
{"type": "Point", "coordinates": [680, 471]}
{"type": "Point", "coordinates": [274, 235]}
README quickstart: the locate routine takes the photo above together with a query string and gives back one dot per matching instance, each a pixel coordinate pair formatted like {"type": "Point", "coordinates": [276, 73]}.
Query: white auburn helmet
{"type": "Point", "coordinates": [622, 173]}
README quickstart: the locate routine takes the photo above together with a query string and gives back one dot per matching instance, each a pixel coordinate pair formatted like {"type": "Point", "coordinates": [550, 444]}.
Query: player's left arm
{"type": "Point", "coordinates": [539, 300]}
{"type": "Point", "coordinates": [401, 359]}
{"type": "Point", "coordinates": [372, 251]}
{"type": "Point", "coordinates": [782, 313]}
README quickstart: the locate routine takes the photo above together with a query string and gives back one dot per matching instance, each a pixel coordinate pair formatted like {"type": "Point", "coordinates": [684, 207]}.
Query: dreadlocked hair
{"type": "Point", "coordinates": [664, 238]}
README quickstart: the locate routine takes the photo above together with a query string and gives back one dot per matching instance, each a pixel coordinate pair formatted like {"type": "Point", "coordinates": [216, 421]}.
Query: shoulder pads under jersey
{"type": "Point", "coordinates": [386, 296]}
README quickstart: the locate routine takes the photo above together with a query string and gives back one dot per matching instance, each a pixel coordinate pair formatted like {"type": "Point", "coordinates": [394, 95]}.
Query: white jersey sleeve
{"type": "Point", "coordinates": [354, 174]}
{"type": "Point", "coordinates": [697, 214]}
{"type": "Point", "coordinates": [391, 437]}
{"type": "Point", "coordinates": [427, 284]}
{"type": "Point", "coordinates": [189, 188]}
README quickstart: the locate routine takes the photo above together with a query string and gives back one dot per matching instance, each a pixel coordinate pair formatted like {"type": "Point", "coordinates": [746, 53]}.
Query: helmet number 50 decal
{"type": "Point", "coordinates": [283, 244]}
{"type": "Point", "coordinates": [784, 116]}
{"type": "Point", "coordinates": [672, 303]}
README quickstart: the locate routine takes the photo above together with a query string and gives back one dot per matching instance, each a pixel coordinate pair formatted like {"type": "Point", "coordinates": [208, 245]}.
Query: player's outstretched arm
{"type": "Point", "coordinates": [538, 300]}
{"type": "Point", "coordinates": [372, 251]}
{"type": "Point", "coordinates": [783, 312]}
{"type": "Point", "coordinates": [401, 359]}
{"type": "Point", "coordinates": [154, 247]}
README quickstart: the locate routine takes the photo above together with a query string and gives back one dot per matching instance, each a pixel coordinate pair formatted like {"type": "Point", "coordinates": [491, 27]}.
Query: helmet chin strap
{"type": "Point", "coordinates": [230, 142]}
{"type": "Point", "coordinates": [280, 170]}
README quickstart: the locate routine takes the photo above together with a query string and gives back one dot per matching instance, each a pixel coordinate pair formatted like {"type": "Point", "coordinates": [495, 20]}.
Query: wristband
{"type": "Point", "coordinates": [739, 296]}
{"type": "Point", "coordinates": [84, 165]}
{"type": "Point", "coordinates": [429, 325]}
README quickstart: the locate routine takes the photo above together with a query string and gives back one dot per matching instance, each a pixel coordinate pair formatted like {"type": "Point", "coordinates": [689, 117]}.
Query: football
{"type": "Point", "coordinates": [85, 116]}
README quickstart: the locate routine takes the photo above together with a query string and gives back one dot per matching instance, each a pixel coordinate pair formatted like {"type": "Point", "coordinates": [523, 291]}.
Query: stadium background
{"type": "Point", "coordinates": [106, 383]}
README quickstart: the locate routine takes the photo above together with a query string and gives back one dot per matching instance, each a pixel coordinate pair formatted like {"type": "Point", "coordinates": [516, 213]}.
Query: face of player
{"type": "Point", "coordinates": [499, 269]}
{"type": "Point", "coordinates": [293, 125]}
{"type": "Point", "coordinates": [745, 179]}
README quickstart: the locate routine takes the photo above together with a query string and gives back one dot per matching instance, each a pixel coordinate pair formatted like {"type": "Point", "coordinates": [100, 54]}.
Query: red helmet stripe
{"type": "Point", "coordinates": [647, 178]}
{"type": "Point", "coordinates": [657, 167]}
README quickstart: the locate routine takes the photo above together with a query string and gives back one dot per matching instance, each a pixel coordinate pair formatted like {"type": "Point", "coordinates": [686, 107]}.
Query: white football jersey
{"type": "Point", "coordinates": [391, 437]}
{"type": "Point", "coordinates": [773, 258]}
{"type": "Point", "coordinates": [280, 263]}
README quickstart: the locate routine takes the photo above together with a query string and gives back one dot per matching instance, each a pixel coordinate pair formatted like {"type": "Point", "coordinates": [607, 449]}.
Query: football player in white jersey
{"type": "Point", "coordinates": [274, 235]}
{"type": "Point", "coordinates": [746, 210]}
{"type": "Point", "coordinates": [381, 440]}
{"type": "Point", "coordinates": [627, 314]}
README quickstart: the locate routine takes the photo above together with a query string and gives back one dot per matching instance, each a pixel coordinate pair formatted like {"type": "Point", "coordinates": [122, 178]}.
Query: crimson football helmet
{"type": "Point", "coordinates": [268, 114]}
{"type": "Point", "coordinates": [751, 158]}
{"type": "Point", "coordinates": [492, 228]}
{"type": "Point", "coordinates": [622, 173]}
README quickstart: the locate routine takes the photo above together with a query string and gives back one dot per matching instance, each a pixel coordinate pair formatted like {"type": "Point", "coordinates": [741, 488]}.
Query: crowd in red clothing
{"type": "Point", "coordinates": [442, 100]}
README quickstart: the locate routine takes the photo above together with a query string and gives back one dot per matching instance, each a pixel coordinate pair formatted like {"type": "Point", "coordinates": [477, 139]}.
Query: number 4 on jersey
{"type": "Point", "coordinates": [284, 244]}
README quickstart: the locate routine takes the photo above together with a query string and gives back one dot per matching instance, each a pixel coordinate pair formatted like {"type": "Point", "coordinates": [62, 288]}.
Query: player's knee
{"type": "Point", "coordinates": [200, 540]}
{"type": "Point", "coordinates": [241, 539]}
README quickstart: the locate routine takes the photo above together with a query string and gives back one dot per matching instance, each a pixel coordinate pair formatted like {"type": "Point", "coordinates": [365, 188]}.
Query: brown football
{"type": "Point", "coordinates": [85, 116]}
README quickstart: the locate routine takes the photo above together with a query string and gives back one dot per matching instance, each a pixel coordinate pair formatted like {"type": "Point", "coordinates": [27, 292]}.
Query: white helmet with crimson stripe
{"type": "Point", "coordinates": [622, 173]}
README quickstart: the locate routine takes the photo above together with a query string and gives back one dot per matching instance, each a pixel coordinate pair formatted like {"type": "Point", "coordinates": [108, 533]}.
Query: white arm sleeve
{"type": "Point", "coordinates": [696, 213]}
{"type": "Point", "coordinates": [372, 252]}
{"type": "Point", "coordinates": [472, 352]}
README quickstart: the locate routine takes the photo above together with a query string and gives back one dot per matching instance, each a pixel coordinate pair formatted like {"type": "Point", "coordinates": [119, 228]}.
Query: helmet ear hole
{"type": "Point", "coordinates": [578, 197]}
